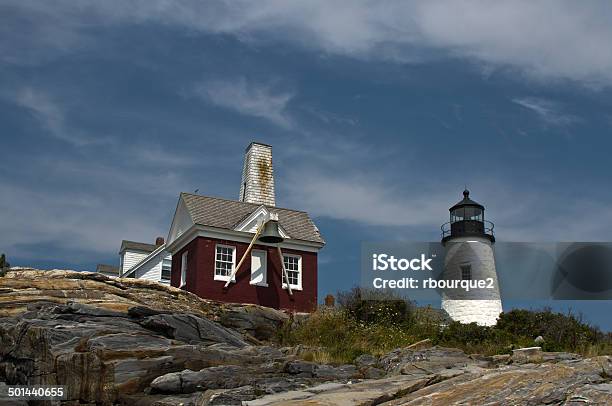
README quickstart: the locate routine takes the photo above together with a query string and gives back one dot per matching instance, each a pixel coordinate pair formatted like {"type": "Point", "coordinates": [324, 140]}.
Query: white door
{"type": "Point", "coordinates": [259, 267]}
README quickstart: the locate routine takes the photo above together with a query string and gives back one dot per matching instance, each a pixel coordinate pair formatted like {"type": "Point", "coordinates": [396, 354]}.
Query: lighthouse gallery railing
{"type": "Point", "coordinates": [488, 228]}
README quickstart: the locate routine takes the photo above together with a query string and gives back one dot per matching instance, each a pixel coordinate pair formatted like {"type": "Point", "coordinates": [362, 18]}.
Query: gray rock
{"type": "Point", "coordinates": [192, 329]}
{"type": "Point", "coordinates": [559, 356]}
{"type": "Point", "coordinates": [566, 382]}
{"type": "Point", "coordinates": [366, 360]}
{"type": "Point", "coordinates": [342, 372]}
{"type": "Point", "coordinates": [527, 355]}
{"type": "Point", "coordinates": [6, 401]}
{"type": "Point", "coordinates": [260, 322]}
{"type": "Point", "coordinates": [221, 377]}
{"type": "Point", "coordinates": [193, 399]}
{"type": "Point", "coordinates": [500, 359]}
{"type": "Point", "coordinates": [233, 396]}
{"type": "Point", "coordinates": [279, 383]}
{"type": "Point", "coordinates": [368, 392]}
{"type": "Point", "coordinates": [424, 362]}
{"type": "Point", "coordinates": [539, 340]}
{"type": "Point", "coordinates": [606, 366]}
{"type": "Point", "coordinates": [373, 373]}
{"type": "Point", "coordinates": [94, 335]}
{"type": "Point", "coordinates": [303, 368]}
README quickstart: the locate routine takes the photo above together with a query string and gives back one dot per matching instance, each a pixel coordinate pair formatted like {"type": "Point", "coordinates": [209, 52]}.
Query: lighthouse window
{"type": "Point", "coordinates": [466, 213]}
{"type": "Point", "coordinates": [473, 213]}
{"type": "Point", "coordinates": [457, 215]}
{"type": "Point", "coordinates": [466, 272]}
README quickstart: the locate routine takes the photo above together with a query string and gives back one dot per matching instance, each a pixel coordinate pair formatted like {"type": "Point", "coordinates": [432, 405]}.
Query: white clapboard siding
{"type": "Point", "coordinates": [150, 270]}
{"type": "Point", "coordinates": [131, 258]}
{"type": "Point", "coordinates": [180, 223]}
{"type": "Point", "coordinates": [151, 267]}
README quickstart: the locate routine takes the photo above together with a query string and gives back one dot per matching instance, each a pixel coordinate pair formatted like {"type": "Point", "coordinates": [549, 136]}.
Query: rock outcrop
{"type": "Point", "coordinates": [131, 342]}
{"type": "Point", "coordinates": [22, 287]}
{"type": "Point", "coordinates": [106, 339]}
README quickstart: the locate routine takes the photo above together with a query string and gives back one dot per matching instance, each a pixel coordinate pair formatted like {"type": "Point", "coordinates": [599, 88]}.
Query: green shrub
{"type": "Point", "coordinates": [459, 333]}
{"type": "Point", "coordinates": [343, 337]}
{"type": "Point", "coordinates": [366, 323]}
{"type": "Point", "coordinates": [560, 332]}
{"type": "Point", "coordinates": [375, 306]}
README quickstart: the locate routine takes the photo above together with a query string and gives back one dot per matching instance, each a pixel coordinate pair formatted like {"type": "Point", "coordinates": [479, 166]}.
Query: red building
{"type": "Point", "coordinates": [209, 236]}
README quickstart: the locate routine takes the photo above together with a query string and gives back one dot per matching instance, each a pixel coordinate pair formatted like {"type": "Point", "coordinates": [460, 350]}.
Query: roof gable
{"type": "Point", "coordinates": [253, 221]}
{"type": "Point", "coordinates": [136, 246]}
{"type": "Point", "coordinates": [181, 221]}
{"type": "Point", "coordinates": [230, 214]}
{"type": "Point", "coordinates": [157, 255]}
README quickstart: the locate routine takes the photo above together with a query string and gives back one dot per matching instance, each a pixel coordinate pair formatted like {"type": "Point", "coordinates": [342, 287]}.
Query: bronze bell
{"type": "Point", "coordinates": [270, 233]}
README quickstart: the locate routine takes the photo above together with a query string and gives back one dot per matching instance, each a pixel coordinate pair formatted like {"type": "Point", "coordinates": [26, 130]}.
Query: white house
{"type": "Point", "coordinates": [145, 261]}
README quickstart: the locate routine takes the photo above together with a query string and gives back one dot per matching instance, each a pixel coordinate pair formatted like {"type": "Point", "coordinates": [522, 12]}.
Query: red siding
{"type": "Point", "coordinates": [200, 277]}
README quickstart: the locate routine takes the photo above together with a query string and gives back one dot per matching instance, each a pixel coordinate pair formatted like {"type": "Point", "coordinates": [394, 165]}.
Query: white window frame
{"type": "Point", "coordinates": [225, 278]}
{"type": "Point", "coordinates": [299, 284]}
{"type": "Point", "coordinates": [264, 283]}
{"type": "Point", "coordinates": [184, 260]}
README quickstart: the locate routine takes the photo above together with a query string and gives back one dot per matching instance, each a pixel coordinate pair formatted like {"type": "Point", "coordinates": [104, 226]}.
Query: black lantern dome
{"type": "Point", "coordinates": [467, 220]}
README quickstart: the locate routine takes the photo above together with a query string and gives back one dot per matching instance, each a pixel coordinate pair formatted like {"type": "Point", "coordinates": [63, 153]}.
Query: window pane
{"type": "Point", "coordinates": [224, 262]}
{"type": "Point", "coordinates": [292, 266]}
{"type": "Point", "coordinates": [466, 272]}
{"type": "Point", "coordinates": [457, 215]}
{"type": "Point", "coordinates": [472, 213]}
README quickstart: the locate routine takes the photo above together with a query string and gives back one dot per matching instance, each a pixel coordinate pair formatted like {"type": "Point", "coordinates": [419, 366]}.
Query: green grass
{"type": "Point", "coordinates": [339, 336]}
{"type": "Point", "coordinates": [343, 338]}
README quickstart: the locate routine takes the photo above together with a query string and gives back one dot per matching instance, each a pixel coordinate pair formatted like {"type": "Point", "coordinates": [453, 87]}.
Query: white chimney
{"type": "Point", "coordinates": [257, 175]}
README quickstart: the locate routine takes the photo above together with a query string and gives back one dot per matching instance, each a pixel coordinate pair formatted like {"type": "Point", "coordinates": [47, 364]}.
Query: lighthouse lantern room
{"type": "Point", "coordinates": [467, 220]}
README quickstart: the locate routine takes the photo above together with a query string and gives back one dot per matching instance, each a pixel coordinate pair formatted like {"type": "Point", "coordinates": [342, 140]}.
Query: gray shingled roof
{"type": "Point", "coordinates": [223, 213]}
{"type": "Point", "coordinates": [137, 246]}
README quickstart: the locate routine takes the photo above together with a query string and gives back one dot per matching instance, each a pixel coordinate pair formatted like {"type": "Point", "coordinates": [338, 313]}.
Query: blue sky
{"type": "Point", "coordinates": [379, 114]}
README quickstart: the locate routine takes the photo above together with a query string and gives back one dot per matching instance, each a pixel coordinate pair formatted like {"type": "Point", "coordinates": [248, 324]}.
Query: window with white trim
{"type": "Point", "coordinates": [225, 262]}
{"type": "Point", "coordinates": [293, 266]}
{"type": "Point", "coordinates": [259, 268]}
{"type": "Point", "coordinates": [166, 270]}
{"type": "Point", "coordinates": [183, 269]}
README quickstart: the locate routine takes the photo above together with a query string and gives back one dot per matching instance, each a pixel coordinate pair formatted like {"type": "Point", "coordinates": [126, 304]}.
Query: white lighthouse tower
{"type": "Point", "coordinates": [468, 239]}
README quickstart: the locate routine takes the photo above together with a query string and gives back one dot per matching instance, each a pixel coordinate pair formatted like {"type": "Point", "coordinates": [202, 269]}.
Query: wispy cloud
{"type": "Point", "coordinates": [79, 221]}
{"type": "Point", "coordinates": [329, 117]}
{"type": "Point", "coordinates": [99, 205]}
{"type": "Point", "coordinates": [155, 155]}
{"type": "Point", "coordinates": [364, 199]}
{"type": "Point", "coordinates": [370, 201]}
{"type": "Point", "coordinates": [495, 34]}
{"type": "Point", "coordinates": [51, 116]}
{"type": "Point", "coordinates": [548, 111]}
{"type": "Point", "coordinates": [245, 97]}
